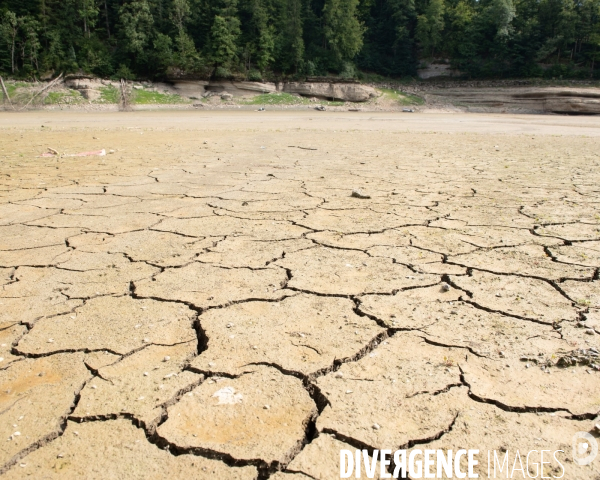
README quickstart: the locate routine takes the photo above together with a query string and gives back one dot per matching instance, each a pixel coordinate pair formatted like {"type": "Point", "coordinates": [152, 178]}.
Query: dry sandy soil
{"type": "Point", "coordinates": [209, 301]}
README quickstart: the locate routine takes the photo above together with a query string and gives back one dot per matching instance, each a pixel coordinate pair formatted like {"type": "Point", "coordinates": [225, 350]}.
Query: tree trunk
{"type": "Point", "coordinates": [6, 95]}
{"type": "Point", "coordinates": [12, 51]}
{"type": "Point", "coordinates": [106, 14]}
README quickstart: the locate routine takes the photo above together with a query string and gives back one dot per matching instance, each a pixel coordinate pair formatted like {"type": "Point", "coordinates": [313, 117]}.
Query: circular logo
{"type": "Point", "coordinates": [585, 448]}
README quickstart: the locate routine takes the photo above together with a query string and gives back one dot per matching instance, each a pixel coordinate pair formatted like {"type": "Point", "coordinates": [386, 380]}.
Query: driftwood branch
{"type": "Point", "coordinates": [52, 83]}
{"type": "Point", "coordinates": [6, 95]}
{"type": "Point", "coordinates": [303, 148]}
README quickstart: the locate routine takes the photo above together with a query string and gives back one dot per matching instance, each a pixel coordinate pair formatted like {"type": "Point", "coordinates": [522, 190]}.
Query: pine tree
{"type": "Point", "coordinates": [223, 43]}
{"type": "Point", "coordinates": [264, 35]}
{"type": "Point", "coordinates": [225, 32]}
{"type": "Point", "coordinates": [187, 56]}
{"type": "Point", "coordinates": [136, 25]}
{"type": "Point", "coordinates": [342, 29]}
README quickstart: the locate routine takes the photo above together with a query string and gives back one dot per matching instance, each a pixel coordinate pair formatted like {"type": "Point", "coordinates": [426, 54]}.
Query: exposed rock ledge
{"type": "Point", "coordinates": [347, 92]}
{"type": "Point", "coordinates": [542, 100]}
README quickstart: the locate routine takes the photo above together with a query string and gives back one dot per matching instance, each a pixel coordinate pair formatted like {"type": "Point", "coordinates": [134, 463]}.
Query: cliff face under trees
{"type": "Point", "coordinates": [258, 39]}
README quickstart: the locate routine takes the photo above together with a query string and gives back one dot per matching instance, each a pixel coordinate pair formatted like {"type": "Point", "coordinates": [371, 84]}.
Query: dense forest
{"type": "Point", "coordinates": [258, 39]}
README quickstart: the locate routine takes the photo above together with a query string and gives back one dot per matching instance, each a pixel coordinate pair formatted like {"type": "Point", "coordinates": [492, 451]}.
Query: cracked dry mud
{"type": "Point", "coordinates": [208, 302]}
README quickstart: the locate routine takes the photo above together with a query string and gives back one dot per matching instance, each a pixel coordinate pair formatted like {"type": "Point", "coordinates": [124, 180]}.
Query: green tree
{"type": "Point", "coordinates": [88, 12]}
{"type": "Point", "coordinates": [502, 13]}
{"type": "Point", "coordinates": [136, 25]}
{"type": "Point", "coordinates": [430, 26]}
{"type": "Point", "coordinates": [163, 51]}
{"type": "Point", "coordinates": [224, 34]}
{"type": "Point", "coordinates": [30, 43]}
{"type": "Point", "coordinates": [291, 35]}
{"type": "Point", "coordinates": [180, 14]}
{"type": "Point", "coordinates": [187, 55]}
{"type": "Point", "coordinates": [224, 49]}
{"type": "Point", "coordinates": [54, 53]}
{"type": "Point", "coordinates": [9, 29]}
{"type": "Point", "coordinates": [342, 28]}
{"type": "Point", "coordinates": [264, 35]}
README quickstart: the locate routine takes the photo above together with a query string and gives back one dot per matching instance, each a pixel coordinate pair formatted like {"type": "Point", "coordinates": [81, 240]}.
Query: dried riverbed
{"type": "Point", "coordinates": [209, 300]}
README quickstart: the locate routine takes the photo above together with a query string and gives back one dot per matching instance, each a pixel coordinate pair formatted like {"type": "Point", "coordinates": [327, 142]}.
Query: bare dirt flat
{"type": "Point", "coordinates": [209, 301]}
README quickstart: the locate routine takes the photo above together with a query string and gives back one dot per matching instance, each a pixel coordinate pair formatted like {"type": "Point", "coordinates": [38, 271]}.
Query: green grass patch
{"type": "Point", "coordinates": [146, 97]}
{"type": "Point", "coordinates": [54, 98]}
{"type": "Point", "coordinates": [275, 99]}
{"type": "Point", "coordinates": [13, 91]}
{"type": "Point", "coordinates": [284, 99]}
{"type": "Point", "coordinates": [401, 97]}
{"type": "Point", "coordinates": [109, 94]}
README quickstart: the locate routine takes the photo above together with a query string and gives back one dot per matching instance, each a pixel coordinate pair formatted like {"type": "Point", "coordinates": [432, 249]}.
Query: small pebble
{"type": "Point", "coordinates": [145, 374]}
{"type": "Point", "coordinates": [50, 340]}
{"type": "Point", "coordinates": [590, 331]}
{"type": "Point", "coordinates": [339, 375]}
{"type": "Point", "coordinates": [60, 455]}
{"type": "Point", "coordinates": [376, 426]}
{"type": "Point", "coordinates": [266, 407]}
{"type": "Point", "coordinates": [445, 287]}
{"type": "Point", "coordinates": [166, 359]}
{"type": "Point", "coordinates": [229, 325]}
{"type": "Point", "coordinates": [349, 391]}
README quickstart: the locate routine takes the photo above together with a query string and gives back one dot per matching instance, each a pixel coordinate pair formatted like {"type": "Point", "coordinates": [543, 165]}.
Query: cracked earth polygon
{"type": "Point", "coordinates": [209, 302]}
